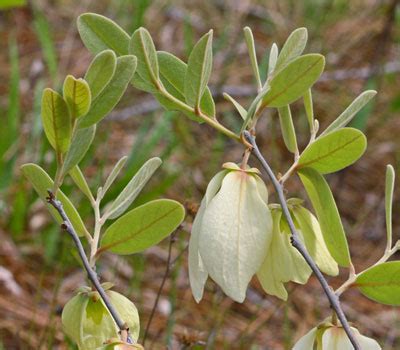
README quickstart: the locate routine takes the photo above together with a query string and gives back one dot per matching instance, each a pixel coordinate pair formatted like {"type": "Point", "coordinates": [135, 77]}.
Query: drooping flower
{"type": "Point", "coordinates": [333, 337]}
{"type": "Point", "coordinates": [283, 262]}
{"type": "Point", "coordinates": [231, 232]}
{"type": "Point", "coordinates": [87, 321]}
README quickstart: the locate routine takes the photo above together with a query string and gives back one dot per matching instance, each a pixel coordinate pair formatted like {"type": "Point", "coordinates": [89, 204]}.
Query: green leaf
{"type": "Point", "coordinates": [381, 283]}
{"type": "Point", "coordinates": [133, 188]}
{"type": "Point", "coordinates": [142, 46]}
{"type": "Point", "coordinates": [41, 182]}
{"type": "Point", "coordinates": [308, 106]}
{"type": "Point", "coordinates": [287, 127]}
{"type": "Point", "coordinates": [389, 187]}
{"type": "Point", "coordinates": [6, 4]}
{"type": "Point", "coordinates": [334, 151]}
{"type": "Point", "coordinates": [350, 112]}
{"type": "Point", "coordinates": [255, 106]}
{"type": "Point", "coordinates": [114, 173]}
{"type": "Point", "coordinates": [273, 57]}
{"type": "Point", "coordinates": [172, 75]}
{"type": "Point", "coordinates": [293, 47]}
{"type": "Point", "coordinates": [112, 93]}
{"type": "Point", "coordinates": [56, 120]}
{"type": "Point", "coordinates": [198, 70]}
{"type": "Point", "coordinates": [101, 71]}
{"type": "Point", "coordinates": [99, 33]}
{"type": "Point", "coordinates": [76, 93]}
{"type": "Point", "coordinates": [248, 35]}
{"type": "Point", "coordinates": [294, 80]}
{"type": "Point", "coordinates": [238, 106]}
{"type": "Point", "coordinates": [327, 213]}
{"type": "Point", "coordinates": [80, 143]}
{"type": "Point", "coordinates": [143, 227]}
{"type": "Point", "coordinates": [79, 179]}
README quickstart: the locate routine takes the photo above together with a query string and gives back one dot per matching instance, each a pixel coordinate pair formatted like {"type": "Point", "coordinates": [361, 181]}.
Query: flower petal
{"type": "Point", "coordinates": [335, 338]}
{"type": "Point", "coordinates": [197, 272]}
{"type": "Point", "coordinates": [214, 185]}
{"type": "Point", "coordinates": [307, 341]}
{"type": "Point", "coordinates": [235, 234]}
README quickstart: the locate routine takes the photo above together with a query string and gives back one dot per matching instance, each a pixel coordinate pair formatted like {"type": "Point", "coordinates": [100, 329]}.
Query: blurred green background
{"type": "Point", "coordinates": [39, 46]}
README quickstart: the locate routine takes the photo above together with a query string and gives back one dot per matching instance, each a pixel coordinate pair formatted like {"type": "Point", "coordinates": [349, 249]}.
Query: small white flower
{"type": "Point", "coordinates": [330, 337]}
{"type": "Point", "coordinates": [231, 232]}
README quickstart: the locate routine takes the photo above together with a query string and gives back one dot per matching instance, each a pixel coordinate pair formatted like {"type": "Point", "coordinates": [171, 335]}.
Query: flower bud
{"type": "Point", "coordinates": [231, 232]}
{"type": "Point", "coordinates": [87, 321]}
{"type": "Point", "coordinates": [333, 337]}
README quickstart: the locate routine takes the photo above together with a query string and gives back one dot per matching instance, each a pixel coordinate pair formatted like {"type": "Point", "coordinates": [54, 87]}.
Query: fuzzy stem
{"type": "Point", "coordinates": [67, 226]}
{"type": "Point", "coordinates": [296, 243]}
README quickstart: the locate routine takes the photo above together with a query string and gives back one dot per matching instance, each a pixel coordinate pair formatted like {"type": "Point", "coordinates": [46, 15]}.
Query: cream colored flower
{"type": "Point", "coordinates": [330, 337]}
{"type": "Point", "coordinates": [231, 232]}
{"type": "Point", "coordinates": [283, 263]}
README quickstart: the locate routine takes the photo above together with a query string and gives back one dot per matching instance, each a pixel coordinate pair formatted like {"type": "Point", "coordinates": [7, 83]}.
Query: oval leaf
{"type": "Point", "coordinates": [350, 112]}
{"type": "Point", "coordinates": [143, 227]}
{"type": "Point", "coordinates": [80, 143]}
{"type": "Point", "coordinates": [327, 213]}
{"type": "Point", "coordinates": [293, 47]}
{"type": "Point", "coordinates": [335, 151]}
{"type": "Point", "coordinates": [41, 182]}
{"type": "Point", "coordinates": [101, 71]}
{"type": "Point", "coordinates": [287, 128]}
{"type": "Point", "coordinates": [112, 93]}
{"type": "Point", "coordinates": [198, 70]}
{"type": "Point", "coordinates": [114, 173]}
{"type": "Point", "coordinates": [76, 93]}
{"type": "Point", "coordinates": [99, 33]}
{"type": "Point", "coordinates": [172, 75]}
{"type": "Point", "coordinates": [56, 120]}
{"type": "Point", "coordinates": [133, 188]}
{"type": "Point", "coordinates": [79, 179]}
{"type": "Point", "coordinates": [381, 283]}
{"type": "Point", "coordinates": [142, 46]}
{"type": "Point", "coordinates": [273, 57]}
{"type": "Point", "coordinates": [389, 188]}
{"type": "Point", "coordinates": [248, 35]}
{"type": "Point", "coordinates": [294, 80]}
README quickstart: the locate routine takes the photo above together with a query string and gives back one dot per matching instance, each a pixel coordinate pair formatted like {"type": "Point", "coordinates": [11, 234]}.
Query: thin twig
{"type": "Point", "coordinates": [296, 242]}
{"type": "Point", "coordinates": [67, 226]}
{"type": "Point", "coordinates": [153, 310]}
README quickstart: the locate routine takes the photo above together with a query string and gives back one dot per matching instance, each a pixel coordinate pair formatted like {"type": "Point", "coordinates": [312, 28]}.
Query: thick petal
{"type": "Point", "coordinates": [269, 273]}
{"type": "Point", "coordinates": [335, 338]}
{"type": "Point", "coordinates": [215, 185]}
{"type": "Point", "coordinates": [197, 272]}
{"type": "Point", "coordinates": [307, 341]}
{"type": "Point", "coordinates": [235, 234]}
{"type": "Point", "coordinates": [314, 240]}
{"type": "Point", "coordinates": [262, 189]}
{"type": "Point", "coordinates": [368, 343]}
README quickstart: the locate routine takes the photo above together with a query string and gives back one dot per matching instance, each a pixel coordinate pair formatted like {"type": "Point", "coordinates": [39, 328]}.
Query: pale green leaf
{"type": "Point", "coordinates": [142, 46]}
{"type": "Point", "coordinates": [389, 188]}
{"type": "Point", "coordinates": [238, 106]}
{"type": "Point", "coordinates": [273, 57]}
{"type": "Point", "coordinates": [334, 151]}
{"type": "Point", "coordinates": [350, 112]}
{"type": "Point", "coordinates": [327, 213]}
{"type": "Point", "coordinates": [198, 70]}
{"type": "Point", "coordinates": [101, 71]}
{"type": "Point", "coordinates": [308, 106]}
{"type": "Point", "coordinates": [293, 47]}
{"type": "Point", "coordinates": [79, 179]}
{"type": "Point", "coordinates": [133, 188]}
{"type": "Point", "coordinates": [100, 33]}
{"type": "Point", "coordinates": [114, 173]}
{"type": "Point", "coordinates": [112, 93]}
{"type": "Point", "coordinates": [294, 80]}
{"type": "Point", "coordinates": [235, 233]}
{"type": "Point", "coordinates": [80, 143]}
{"type": "Point", "coordinates": [287, 128]}
{"type": "Point", "coordinates": [143, 227]}
{"type": "Point", "coordinates": [76, 93]}
{"type": "Point", "coordinates": [381, 283]}
{"type": "Point", "coordinates": [56, 120]}
{"type": "Point", "coordinates": [248, 34]}
{"type": "Point", "coordinates": [42, 182]}
{"type": "Point", "coordinates": [172, 75]}
{"type": "Point", "coordinates": [254, 106]}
